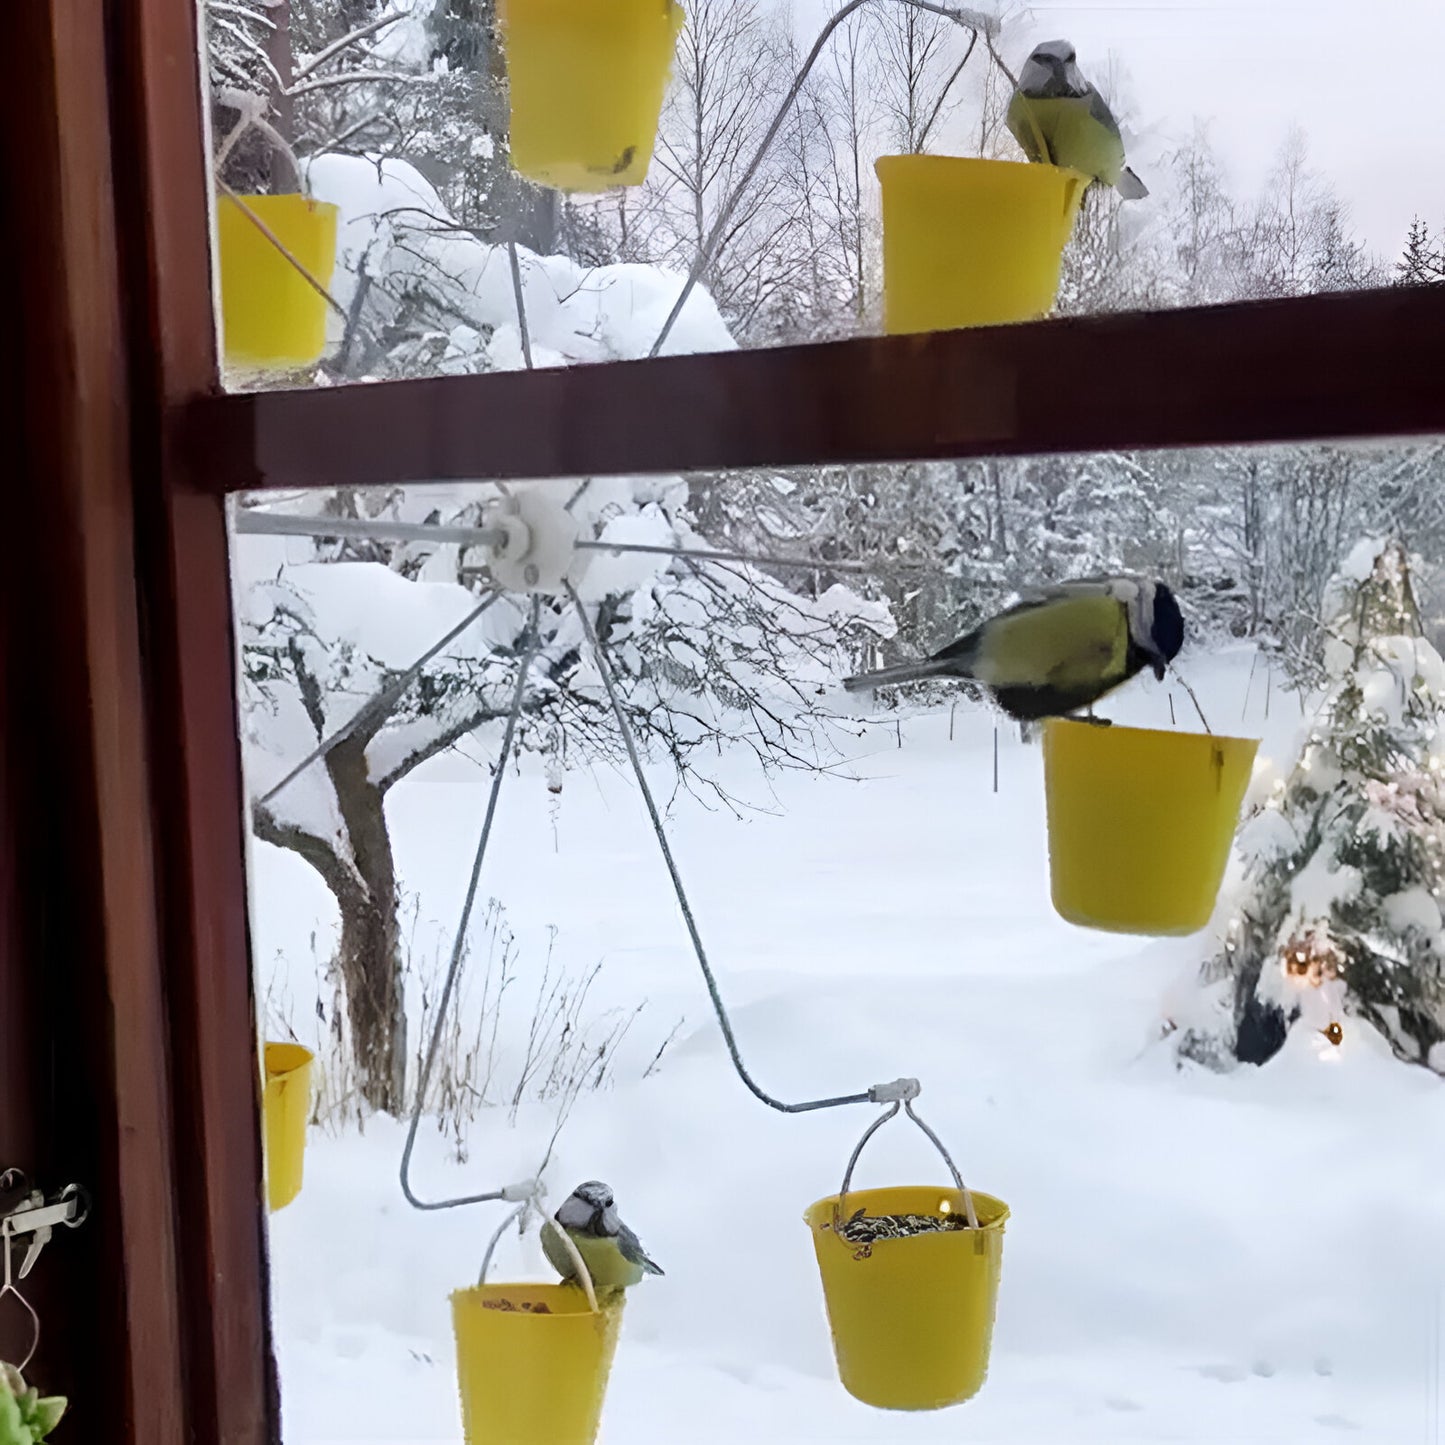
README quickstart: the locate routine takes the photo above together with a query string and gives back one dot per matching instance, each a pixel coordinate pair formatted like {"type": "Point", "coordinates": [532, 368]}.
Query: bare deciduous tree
{"type": "Point", "coordinates": [730, 72]}
{"type": "Point", "coordinates": [920, 59]}
{"type": "Point", "coordinates": [844, 112]}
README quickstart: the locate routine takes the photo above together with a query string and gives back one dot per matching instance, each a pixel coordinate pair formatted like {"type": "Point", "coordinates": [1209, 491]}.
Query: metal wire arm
{"type": "Point", "coordinates": [899, 1092]}
{"type": "Point", "coordinates": [630, 742]}
{"type": "Point", "coordinates": [526, 1188]}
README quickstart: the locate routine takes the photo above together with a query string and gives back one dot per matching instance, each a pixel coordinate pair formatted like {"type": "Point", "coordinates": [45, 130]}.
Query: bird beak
{"type": "Point", "coordinates": [594, 1225]}
{"type": "Point", "coordinates": [1160, 668]}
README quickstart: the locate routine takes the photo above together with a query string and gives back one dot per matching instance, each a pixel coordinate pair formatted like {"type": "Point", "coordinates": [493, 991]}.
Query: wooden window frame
{"type": "Point", "coordinates": [1349, 366]}
{"type": "Point", "coordinates": [130, 453]}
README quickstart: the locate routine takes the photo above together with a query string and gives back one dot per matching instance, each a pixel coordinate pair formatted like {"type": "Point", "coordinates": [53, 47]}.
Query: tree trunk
{"type": "Point", "coordinates": [370, 953]}
{"type": "Point", "coordinates": [283, 106]}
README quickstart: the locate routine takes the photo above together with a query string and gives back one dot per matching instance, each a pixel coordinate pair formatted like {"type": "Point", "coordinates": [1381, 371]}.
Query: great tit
{"type": "Point", "coordinates": [1060, 119]}
{"type": "Point", "coordinates": [613, 1254]}
{"type": "Point", "coordinates": [1060, 648]}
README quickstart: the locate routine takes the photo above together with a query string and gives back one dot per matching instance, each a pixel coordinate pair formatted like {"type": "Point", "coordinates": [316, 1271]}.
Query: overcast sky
{"type": "Point", "coordinates": [1362, 77]}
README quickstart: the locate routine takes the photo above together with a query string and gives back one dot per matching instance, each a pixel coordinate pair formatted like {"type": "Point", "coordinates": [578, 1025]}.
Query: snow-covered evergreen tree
{"type": "Point", "coordinates": [1340, 908]}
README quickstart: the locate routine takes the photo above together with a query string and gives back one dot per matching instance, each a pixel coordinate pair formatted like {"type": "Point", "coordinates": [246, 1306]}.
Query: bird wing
{"type": "Point", "coordinates": [1099, 111]}
{"type": "Point", "coordinates": [633, 1252]}
{"type": "Point", "coordinates": [1129, 186]}
{"type": "Point", "coordinates": [1068, 644]}
{"type": "Point", "coordinates": [1078, 137]}
{"type": "Point", "coordinates": [963, 652]}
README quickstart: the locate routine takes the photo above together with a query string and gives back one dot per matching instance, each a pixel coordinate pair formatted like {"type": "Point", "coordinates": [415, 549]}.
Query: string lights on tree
{"type": "Point", "coordinates": [1339, 909]}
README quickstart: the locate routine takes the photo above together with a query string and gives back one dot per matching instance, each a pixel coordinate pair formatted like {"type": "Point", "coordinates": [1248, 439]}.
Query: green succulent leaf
{"type": "Point", "coordinates": [26, 1416]}
{"type": "Point", "coordinates": [13, 1430]}
{"type": "Point", "coordinates": [48, 1410]}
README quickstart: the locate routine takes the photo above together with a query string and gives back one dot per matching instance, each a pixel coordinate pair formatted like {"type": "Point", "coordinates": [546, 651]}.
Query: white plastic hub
{"type": "Point", "coordinates": [538, 549]}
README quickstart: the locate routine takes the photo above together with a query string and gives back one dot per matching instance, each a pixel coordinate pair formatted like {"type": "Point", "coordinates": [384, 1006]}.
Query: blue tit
{"type": "Point", "coordinates": [1060, 119]}
{"type": "Point", "coordinates": [613, 1254]}
{"type": "Point", "coordinates": [1060, 648]}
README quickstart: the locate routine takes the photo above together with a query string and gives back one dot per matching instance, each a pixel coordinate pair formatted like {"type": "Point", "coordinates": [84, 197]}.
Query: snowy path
{"type": "Point", "coordinates": [1190, 1258]}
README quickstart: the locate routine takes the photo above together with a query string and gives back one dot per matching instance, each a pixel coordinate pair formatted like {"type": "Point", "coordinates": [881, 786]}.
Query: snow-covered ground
{"type": "Point", "coordinates": [1190, 1257]}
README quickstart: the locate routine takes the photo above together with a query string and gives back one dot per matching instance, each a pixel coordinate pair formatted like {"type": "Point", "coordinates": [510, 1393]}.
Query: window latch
{"type": "Point", "coordinates": [37, 1217]}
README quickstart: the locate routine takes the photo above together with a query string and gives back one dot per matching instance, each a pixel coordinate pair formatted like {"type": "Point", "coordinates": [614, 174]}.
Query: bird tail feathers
{"type": "Point", "coordinates": [1130, 187]}
{"type": "Point", "coordinates": [904, 672]}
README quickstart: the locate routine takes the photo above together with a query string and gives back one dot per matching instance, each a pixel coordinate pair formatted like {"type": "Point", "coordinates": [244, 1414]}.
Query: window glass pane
{"type": "Point", "coordinates": [1214, 1146]}
{"type": "Point", "coordinates": [423, 130]}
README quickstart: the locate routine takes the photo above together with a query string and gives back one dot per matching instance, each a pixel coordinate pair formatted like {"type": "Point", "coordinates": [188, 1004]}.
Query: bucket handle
{"type": "Point", "coordinates": [872, 1129]}
{"type": "Point", "coordinates": [938, 1143]}
{"type": "Point", "coordinates": [535, 1201]}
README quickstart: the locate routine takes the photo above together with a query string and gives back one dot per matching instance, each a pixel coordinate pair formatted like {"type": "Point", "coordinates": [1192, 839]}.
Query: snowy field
{"type": "Point", "coordinates": [1190, 1257]}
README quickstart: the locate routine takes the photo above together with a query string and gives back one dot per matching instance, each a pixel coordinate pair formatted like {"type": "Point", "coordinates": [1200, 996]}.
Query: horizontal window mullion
{"type": "Point", "coordinates": [1359, 365]}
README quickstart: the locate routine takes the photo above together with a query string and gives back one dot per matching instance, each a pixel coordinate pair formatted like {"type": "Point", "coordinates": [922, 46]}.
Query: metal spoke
{"type": "Point", "coordinates": [812, 564]}
{"type": "Point", "coordinates": [380, 706]}
{"type": "Point", "coordinates": [382, 530]}
{"type": "Point", "coordinates": [365, 529]}
{"type": "Point", "coordinates": [630, 743]}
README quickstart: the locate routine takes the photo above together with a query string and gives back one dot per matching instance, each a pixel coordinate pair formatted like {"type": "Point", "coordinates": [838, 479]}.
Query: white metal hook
{"type": "Point", "coordinates": [535, 1200]}
{"type": "Point", "coordinates": [7, 1235]}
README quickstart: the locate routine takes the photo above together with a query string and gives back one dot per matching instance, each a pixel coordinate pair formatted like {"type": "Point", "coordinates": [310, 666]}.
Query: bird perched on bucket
{"type": "Point", "coordinates": [613, 1254]}
{"type": "Point", "coordinates": [1061, 648]}
{"type": "Point", "coordinates": [1060, 119]}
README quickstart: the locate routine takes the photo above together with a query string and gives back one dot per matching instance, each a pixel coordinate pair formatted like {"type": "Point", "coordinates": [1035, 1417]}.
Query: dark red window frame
{"type": "Point", "coordinates": [122, 890]}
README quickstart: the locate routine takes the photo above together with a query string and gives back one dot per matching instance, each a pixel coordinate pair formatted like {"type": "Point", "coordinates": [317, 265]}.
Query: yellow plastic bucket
{"type": "Point", "coordinates": [972, 242]}
{"type": "Point", "coordinates": [1141, 823]}
{"type": "Point", "coordinates": [532, 1362]}
{"type": "Point", "coordinates": [586, 79]}
{"type": "Point", "coordinates": [912, 1319]}
{"type": "Point", "coordinates": [270, 317]}
{"type": "Point", "coordinates": [286, 1107]}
